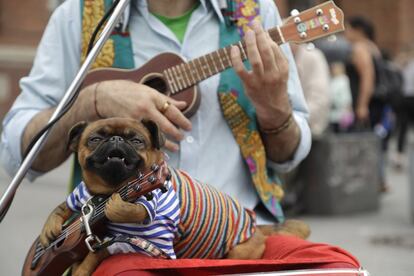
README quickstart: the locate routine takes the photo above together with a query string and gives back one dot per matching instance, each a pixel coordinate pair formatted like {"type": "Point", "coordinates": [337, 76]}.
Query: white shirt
{"type": "Point", "coordinates": [209, 151]}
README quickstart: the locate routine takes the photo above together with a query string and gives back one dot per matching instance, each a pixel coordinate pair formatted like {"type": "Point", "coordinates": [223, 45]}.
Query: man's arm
{"type": "Point", "coordinates": [295, 100]}
{"type": "Point", "coordinates": [55, 151]}
{"type": "Point", "coordinates": [56, 63]}
{"type": "Point", "coordinates": [117, 98]}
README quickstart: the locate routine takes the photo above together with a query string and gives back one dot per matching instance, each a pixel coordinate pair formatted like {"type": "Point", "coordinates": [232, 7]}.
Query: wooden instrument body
{"type": "Point", "coordinates": [151, 74]}
{"type": "Point", "coordinates": [70, 246]}
{"type": "Point", "coordinates": [56, 260]}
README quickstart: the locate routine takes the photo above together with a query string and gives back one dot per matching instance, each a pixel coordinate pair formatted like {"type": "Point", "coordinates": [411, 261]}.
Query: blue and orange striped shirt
{"type": "Point", "coordinates": [192, 220]}
{"type": "Point", "coordinates": [212, 223]}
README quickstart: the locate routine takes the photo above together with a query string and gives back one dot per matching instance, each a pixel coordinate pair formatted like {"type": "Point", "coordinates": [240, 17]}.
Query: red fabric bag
{"type": "Point", "coordinates": [282, 253]}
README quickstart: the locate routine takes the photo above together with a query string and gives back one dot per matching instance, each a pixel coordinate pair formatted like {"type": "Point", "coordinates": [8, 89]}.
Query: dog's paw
{"type": "Point", "coordinates": [120, 211]}
{"type": "Point", "coordinates": [51, 229]}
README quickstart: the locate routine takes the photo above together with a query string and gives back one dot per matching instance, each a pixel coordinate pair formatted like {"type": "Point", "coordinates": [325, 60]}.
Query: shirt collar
{"type": "Point", "coordinates": [217, 6]}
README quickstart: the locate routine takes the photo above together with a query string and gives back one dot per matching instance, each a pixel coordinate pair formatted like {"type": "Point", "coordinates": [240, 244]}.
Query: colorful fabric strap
{"type": "Point", "coordinates": [241, 115]}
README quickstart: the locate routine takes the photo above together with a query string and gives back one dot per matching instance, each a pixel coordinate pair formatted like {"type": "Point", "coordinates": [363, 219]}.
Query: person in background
{"type": "Point", "coordinates": [360, 68]}
{"type": "Point", "coordinates": [314, 76]}
{"type": "Point", "coordinates": [405, 106]}
{"type": "Point", "coordinates": [341, 115]}
{"type": "Point", "coordinates": [368, 108]}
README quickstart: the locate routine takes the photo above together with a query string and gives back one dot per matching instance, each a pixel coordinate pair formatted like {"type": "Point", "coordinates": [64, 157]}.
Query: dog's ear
{"type": "Point", "coordinates": [74, 135]}
{"type": "Point", "coordinates": [157, 137]}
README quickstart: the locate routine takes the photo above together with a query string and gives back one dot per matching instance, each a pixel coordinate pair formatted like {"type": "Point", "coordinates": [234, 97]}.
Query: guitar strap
{"type": "Point", "coordinates": [237, 110]}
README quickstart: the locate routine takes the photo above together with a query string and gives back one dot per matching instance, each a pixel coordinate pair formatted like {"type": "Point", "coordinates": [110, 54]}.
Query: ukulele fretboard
{"type": "Point", "coordinates": [188, 74]}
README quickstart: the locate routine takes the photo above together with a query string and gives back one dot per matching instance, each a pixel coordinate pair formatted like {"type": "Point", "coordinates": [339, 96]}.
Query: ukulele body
{"type": "Point", "coordinates": [151, 74]}
{"type": "Point", "coordinates": [57, 259]}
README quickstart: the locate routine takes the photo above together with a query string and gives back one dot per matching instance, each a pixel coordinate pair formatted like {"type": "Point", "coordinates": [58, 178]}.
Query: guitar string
{"type": "Point", "coordinates": [75, 226]}
{"type": "Point", "coordinates": [71, 229]}
{"type": "Point", "coordinates": [223, 59]}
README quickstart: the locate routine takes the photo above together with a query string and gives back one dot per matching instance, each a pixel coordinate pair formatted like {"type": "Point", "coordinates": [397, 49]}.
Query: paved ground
{"type": "Point", "coordinates": [383, 240]}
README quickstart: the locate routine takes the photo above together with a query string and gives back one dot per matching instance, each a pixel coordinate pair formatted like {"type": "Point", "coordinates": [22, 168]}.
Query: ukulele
{"type": "Point", "coordinates": [72, 244]}
{"type": "Point", "coordinates": [169, 74]}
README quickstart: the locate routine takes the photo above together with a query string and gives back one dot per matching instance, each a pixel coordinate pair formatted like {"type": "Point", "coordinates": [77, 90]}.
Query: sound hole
{"type": "Point", "coordinates": [59, 243]}
{"type": "Point", "coordinates": [157, 83]}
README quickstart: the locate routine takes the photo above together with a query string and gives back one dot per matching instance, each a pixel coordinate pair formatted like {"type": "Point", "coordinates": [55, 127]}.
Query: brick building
{"type": "Point", "coordinates": [22, 23]}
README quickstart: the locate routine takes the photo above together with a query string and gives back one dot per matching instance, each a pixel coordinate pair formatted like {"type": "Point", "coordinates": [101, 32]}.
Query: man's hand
{"type": "Point", "coordinates": [266, 87]}
{"type": "Point", "coordinates": [122, 98]}
{"type": "Point", "coordinates": [266, 83]}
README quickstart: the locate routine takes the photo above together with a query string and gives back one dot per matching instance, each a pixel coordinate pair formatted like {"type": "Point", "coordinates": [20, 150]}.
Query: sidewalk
{"type": "Point", "coordinates": [383, 241]}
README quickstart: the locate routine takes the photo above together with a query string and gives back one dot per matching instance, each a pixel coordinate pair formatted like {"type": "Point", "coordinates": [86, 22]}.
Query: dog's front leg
{"type": "Point", "coordinates": [89, 264]}
{"type": "Point", "coordinates": [118, 210]}
{"type": "Point", "coordinates": [53, 225]}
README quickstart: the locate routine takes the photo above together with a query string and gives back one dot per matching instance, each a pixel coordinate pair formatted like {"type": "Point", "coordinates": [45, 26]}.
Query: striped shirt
{"type": "Point", "coordinates": [212, 223]}
{"type": "Point", "coordinates": [160, 228]}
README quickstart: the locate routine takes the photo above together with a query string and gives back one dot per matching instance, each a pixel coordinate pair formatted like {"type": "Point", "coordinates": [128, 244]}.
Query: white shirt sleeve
{"type": "Point", "coordinates": [54, 67]}
{"type": "Point", "coordinates": [271, 18]}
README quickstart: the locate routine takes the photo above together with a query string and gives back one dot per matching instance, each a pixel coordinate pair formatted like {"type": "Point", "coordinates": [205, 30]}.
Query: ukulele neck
{"type": "Point", "coordinates": [185, 75]}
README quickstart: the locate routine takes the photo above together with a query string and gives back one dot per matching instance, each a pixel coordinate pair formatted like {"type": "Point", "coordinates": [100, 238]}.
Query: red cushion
{"type": "Point", "coordinates": [282, 253]}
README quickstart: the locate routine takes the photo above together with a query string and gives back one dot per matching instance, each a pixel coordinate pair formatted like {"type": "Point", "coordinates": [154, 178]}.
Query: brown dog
{"type": "Point", "coordinates": [111, 152]}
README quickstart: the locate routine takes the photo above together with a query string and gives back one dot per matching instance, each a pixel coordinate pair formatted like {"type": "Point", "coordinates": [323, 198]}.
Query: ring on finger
{"type": "Point", "coordinates": [165, 106]}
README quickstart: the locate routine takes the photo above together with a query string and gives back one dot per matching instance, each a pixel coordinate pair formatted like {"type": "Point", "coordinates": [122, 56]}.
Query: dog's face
{"type": "Point", "coordinates": [113, 151]}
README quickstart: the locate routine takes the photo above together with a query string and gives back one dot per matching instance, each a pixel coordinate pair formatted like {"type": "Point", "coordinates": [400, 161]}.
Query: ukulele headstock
{"type": "Point", "coordinates": [156, 178]}
{"type": "Point", "coordinates": [319, 21]}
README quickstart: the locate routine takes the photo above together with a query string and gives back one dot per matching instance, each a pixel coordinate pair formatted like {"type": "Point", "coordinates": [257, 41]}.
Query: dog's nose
{"type": "Point", "coordinates": [116, 139]}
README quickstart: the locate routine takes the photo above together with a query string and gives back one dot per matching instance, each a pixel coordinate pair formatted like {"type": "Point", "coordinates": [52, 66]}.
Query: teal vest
{"type": "Point", "coordinates": [236, 108]}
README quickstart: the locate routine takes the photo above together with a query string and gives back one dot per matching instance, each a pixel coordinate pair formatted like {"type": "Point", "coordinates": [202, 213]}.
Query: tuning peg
{"type": "Point", "coordinates": [155, 167]}
{"type": "Point", "coordinates": [310, 46]}
{"type": "Point", "coordinates": [319, 12]}
{"type": "Point", "coordinates": [149, 196]}
{"type": "Point", "coordinates": [140, 175]}
{"type": "Point", "coordinates": [164, 189]}
{"type": "Point", "coordinates": [294, 12]}
{"type": "Point", "coordinates": [332, 38]}
{"type": "Point", "coordinates": [152, 179]}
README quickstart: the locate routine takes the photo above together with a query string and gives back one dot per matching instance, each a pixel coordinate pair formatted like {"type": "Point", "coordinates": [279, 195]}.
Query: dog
{"type": "Point", "coordinates": [111, 152]}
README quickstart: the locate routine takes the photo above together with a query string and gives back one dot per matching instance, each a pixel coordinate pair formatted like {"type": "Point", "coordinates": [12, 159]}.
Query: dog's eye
{"type": "Point", "coordinates": [136, 141]}
{"type": "Point", "coordinates": [95, 139]}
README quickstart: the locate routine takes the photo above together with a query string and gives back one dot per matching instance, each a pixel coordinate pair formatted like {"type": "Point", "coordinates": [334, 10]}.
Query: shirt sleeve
{"type": "Point", "coordinates": [150, 205]}
{"type": "Point", "coordinates": [271, 18]}
{"type": "Point", "coordinates": [56, 63]}
{"type": "Point", "coordinates": [79, 196]}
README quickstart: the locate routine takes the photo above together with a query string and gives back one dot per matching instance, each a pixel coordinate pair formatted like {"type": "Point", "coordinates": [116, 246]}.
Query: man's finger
{"type": "Point", "coordinates": [177, 118]}
{"type": "Point", "coordinates": [166, 125]}
{"type": "Point", "coordinates": [281, 60]}
{"type": "Point", "coordinates": [171, 146]}
{"type": "Point", "coordinates": [253, 52]}
{"type": "Point", "coordinates": [264, 47]}
{"type": "Point", "coordinates": [238, 65]}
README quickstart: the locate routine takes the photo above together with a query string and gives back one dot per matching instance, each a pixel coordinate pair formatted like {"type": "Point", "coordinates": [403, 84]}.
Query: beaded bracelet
{"type": "Point", "coordinates": [279, 129]}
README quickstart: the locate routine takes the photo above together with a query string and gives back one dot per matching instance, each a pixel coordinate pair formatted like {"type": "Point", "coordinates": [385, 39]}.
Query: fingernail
{"type": "Point", "coordinates": [175, 148]}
